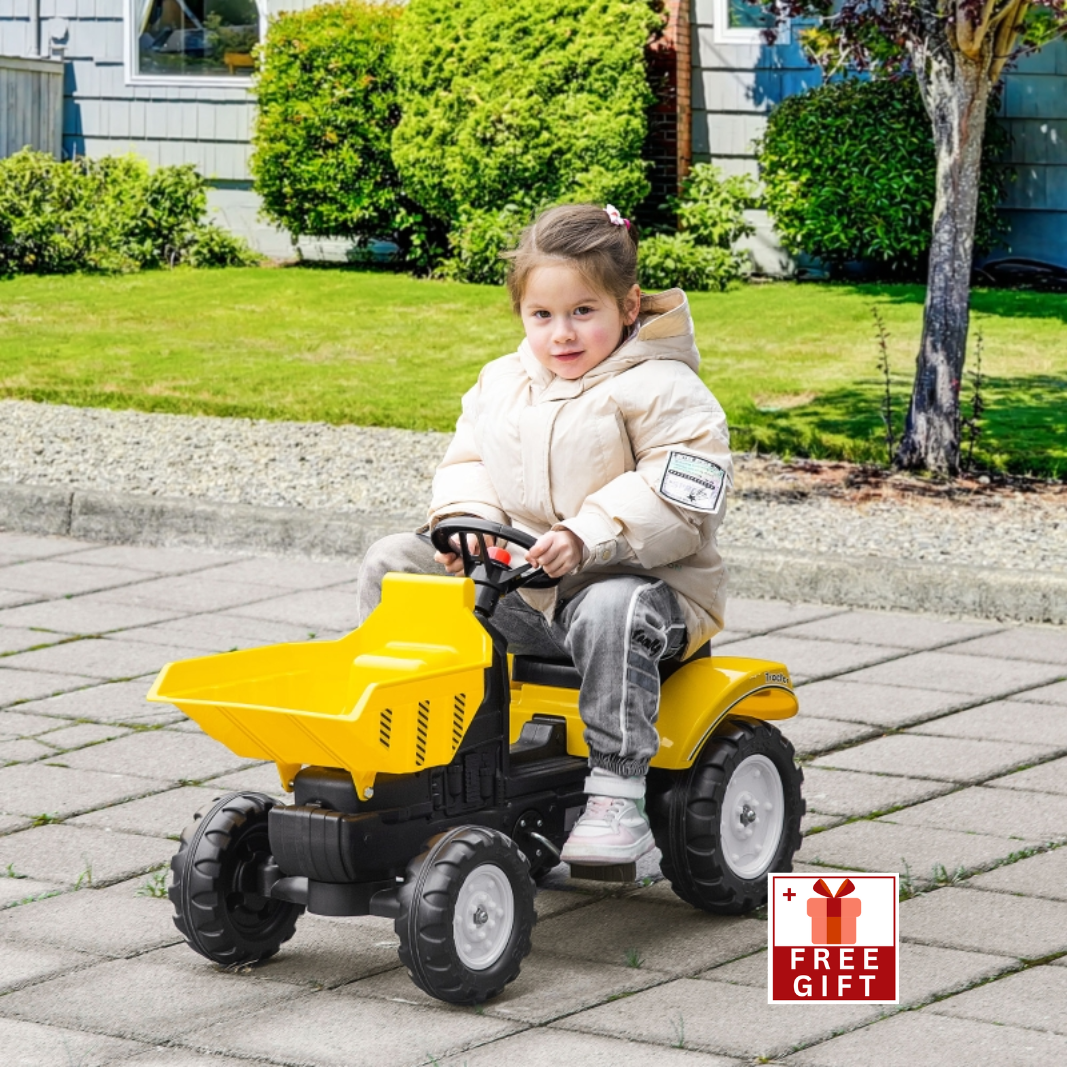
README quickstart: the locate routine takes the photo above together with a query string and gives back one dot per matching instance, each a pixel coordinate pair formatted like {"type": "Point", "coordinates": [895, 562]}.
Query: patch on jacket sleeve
{"type": "Point", "coordinates": [693, 482]}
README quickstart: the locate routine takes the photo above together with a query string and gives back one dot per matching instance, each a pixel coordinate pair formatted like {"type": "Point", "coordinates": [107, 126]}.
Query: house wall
{"type": "Point", "coordinates": [735, 86]}
{"type": "Point", "coordinates": [209, 127]}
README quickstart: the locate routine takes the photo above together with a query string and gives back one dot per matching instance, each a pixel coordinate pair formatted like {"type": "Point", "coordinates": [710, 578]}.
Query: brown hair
{"type": "Point", "coordinates": [583, 236]}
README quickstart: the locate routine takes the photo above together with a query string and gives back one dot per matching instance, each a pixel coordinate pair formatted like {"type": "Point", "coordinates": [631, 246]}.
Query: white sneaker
{"type": "Point", "coordinates": [611, 830]}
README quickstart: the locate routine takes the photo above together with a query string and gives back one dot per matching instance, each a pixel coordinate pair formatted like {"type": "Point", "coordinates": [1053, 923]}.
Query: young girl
{"type": "Point", "coordinates": [598, 437]}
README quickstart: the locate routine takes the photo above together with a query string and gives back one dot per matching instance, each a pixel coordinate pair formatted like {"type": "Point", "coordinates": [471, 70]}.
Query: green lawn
{"type": "Point", "coordinates": [795, 366]}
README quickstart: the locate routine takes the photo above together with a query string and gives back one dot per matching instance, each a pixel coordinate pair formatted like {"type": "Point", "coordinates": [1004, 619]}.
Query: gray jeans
{"type": "Point", "coordinates": [615, 630]}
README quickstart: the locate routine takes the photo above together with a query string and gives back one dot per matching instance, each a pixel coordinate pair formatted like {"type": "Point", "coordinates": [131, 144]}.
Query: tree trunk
{"type": "Point", "coordinates": [956, 92]}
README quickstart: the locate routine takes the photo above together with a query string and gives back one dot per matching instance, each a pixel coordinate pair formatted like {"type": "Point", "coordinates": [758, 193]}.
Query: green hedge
{"type": "Point", "coordinates": [521, 102]}
{"type": "Point", "coordinates": [327, 109]}
{"type": "Point", "coordinates": [106, 215]}
{"type": "Point", "coordinates": [848, 171]}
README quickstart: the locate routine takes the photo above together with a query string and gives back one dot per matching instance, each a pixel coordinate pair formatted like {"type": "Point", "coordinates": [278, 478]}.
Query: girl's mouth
{"type": "Point", "coordinates": [567, 355]}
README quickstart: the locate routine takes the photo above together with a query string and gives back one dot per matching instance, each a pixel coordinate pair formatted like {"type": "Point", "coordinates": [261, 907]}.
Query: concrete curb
{"type": "Point", "coordinates": [861, 582]}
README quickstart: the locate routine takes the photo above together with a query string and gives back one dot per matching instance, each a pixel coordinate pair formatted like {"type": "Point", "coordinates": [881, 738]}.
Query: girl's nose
{"type": "Point", "coordinates": [564, 331]}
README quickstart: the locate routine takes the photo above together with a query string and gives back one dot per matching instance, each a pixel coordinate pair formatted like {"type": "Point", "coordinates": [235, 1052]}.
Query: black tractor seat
{"type": "Point", "coordinates": [563, 674]}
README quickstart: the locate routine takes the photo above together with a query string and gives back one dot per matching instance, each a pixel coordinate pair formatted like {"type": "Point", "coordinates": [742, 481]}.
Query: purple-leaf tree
{"type": "Point", "coordinates": [957, 50]}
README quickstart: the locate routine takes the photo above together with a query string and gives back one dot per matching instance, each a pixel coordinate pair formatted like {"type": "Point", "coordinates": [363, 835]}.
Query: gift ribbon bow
{"type": "Point", "coordinates": [833, 905]}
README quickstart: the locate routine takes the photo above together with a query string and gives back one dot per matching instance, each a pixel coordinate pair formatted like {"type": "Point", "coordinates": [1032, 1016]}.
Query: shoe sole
{"type": "Point", "coordinates": [610, 853]}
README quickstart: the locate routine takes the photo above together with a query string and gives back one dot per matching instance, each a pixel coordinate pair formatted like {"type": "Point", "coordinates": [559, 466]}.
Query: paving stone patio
{"type": "Point", "coordinates": [933, 747]}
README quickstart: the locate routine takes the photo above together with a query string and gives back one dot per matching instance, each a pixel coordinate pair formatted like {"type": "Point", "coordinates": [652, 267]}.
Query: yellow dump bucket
{"type": "Point", "coordinates": [392, 697]}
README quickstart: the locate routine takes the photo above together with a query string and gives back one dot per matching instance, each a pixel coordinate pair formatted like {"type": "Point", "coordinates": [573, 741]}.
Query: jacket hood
{"type": "Point", "coordinates": [664, 331]}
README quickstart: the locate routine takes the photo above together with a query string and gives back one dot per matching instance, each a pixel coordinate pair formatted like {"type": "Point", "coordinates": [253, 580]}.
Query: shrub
{"type": "Point", "coordinates": [213, 246]}
{"type": "Point", "coordinates": [477, 241]}
{"type": "Point", "coordinates": [524, 102]}
{"type": "Point", "coordinates": [326, 113]}
{"type": "Point", "coordinates": [848, 171]}
{"type": "Point", "coordinates": [710, 211]}
{"type": "Point", "coordinates": [109, 214]}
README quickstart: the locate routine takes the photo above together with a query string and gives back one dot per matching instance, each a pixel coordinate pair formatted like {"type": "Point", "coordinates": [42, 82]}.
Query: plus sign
{"type": "Point", "coordinates": [789, 894]}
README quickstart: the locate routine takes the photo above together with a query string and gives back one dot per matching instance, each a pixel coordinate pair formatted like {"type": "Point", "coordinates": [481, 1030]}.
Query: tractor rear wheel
{"type": "Point", "coordinates": [215, 880]}
{"type": "Point", "coordinates": [730, 819]}
{"type": "Point", "coordinates": [466, 915]}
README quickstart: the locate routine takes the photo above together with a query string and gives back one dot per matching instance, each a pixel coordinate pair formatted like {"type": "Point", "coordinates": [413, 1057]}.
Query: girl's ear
{"type": "Point", "coordinates": [633, 305]}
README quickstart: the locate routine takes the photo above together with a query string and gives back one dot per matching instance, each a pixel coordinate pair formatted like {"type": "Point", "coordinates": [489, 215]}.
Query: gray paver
{"type": "Point", "coordinates": [163, 755]}
{"type": "Point", "coordinates": [811, 735]}
{"type": "Point", "coordinates": [142, 998]}
{"type": "Point", "coordinates": [1044, 875]}
{"type": "Point", "coordinates": [1027, 927]}
{"type": "Point", "coordinates": [23, 751]}
{"type": "Point", "coordinates": [10, 599]}
{"type": "Point", "coordinates": [918, 756]}
{"type": "Point", "coordinates": [116, 921]}
{"type": "Point", "coordinates": [162, 815]}
{"type": "Point", "coordinates": [893, 629]}
{"type": "Point", "coordinates": [151, 558]}
{"type": "Point", "coordinates": [759, 616]}
{"type": "Point", "coordinates": [956, 673]}
{"type": "Point", "coordinates": [56, 578]}
{"type": "Point", "coordinates": [288, 573]}
{"type": "Point", "coordinates": [189, 593]}
{"type": "Point", "coordinates": [82, 734]}
{"type": "Point", "coordinates": [16, 722]}
{"type": "Point", "coordinates": [673, 940]}
{"type": "Point", "coordinates": [100, 657]}
{"type": "Point", "coordinates": [263, 778]}
{"type": "Point", "coordinates": [883, 846]}
{"type": "Point", "coordinates": [1004, 720]}
{"type": "Point", "coordinates": [27, 1044]}
{"type": "Point", "coordinates": [114, 702]}
{"type": "Point", "coordinates": [1048, 694]}
{"type": "Point", "coordinates": [549, 987]}
{"type": "Point", "coordinates": [185, 1057]}
{"type": "Point", "coordinates": [67, 854]}
{"type": "Point", "coordinates": [1031, 817]}
{"type": "Point", "coordinates": [316, 609]}
{"type": "Point", "coordinates": [1048, 777]}
{"type": "Point", "coordinates": [337, 1029]}
{"type": "Point", "coordinates": [20, 964]}
{"type": "Point", "coordinates": [38, 788]}
{"type": "Point", "coordinates": [13, 891]}
{"type": "Point", "coordinates": [879, 705]}
{"type": "Point", "coordinates": [86, 614]}
{"type": "Point", "coordinates": [1042, 644]}
{"type": "Point", "coordinates": [31, 546]}
{"type": "Point", "coordinates": [853, 793]}
{"type": "Point", "coordinates": [217, 633]}
{"type": "Point", "coordinates": [809, 658]}
{"type": "Point", "coordinates": [1035, 998]}
{"type": "Point", "coordinates": [922, 1039]}
{"type": "Point", "coordinates": [18, 686]}
{"type": "Point", "coordinates": [18, 639]}
{"type": "Point", "coordinates": [550, 1048]}
{"type": "Point", "coordinates": [729, 1019]}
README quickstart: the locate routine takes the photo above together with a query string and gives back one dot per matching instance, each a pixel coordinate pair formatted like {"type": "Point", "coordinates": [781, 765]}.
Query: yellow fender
{"type": "Point", "coordinates": [695, 699]}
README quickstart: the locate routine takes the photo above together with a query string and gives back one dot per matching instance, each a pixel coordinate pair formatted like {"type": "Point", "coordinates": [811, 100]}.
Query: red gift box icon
{"type": "Point", "coordinates": [833, 920]}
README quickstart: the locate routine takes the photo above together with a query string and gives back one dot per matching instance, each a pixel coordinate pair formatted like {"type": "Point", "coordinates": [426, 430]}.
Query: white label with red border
{"type": "Point", "coordinates": [832, 939]}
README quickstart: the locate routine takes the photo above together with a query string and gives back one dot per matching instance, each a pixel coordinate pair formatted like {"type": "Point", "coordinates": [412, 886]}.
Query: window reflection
{"type": "Point", "coordinates": [745, 16]}
{"type": "Point", "coordinates": [197, 38]}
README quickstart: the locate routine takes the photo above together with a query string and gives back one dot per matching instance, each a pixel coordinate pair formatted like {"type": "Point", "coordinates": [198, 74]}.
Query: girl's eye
{"type": "Point", "coordinates": [583, 310]}
{"type": "Point", "coordinates": [542, 314]}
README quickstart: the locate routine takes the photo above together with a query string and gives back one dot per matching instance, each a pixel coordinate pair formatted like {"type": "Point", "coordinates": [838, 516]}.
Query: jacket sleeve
{"type": "Point", "coordinates": [461, 483]}
{"type": "Point", "coordinates": [673, 501]}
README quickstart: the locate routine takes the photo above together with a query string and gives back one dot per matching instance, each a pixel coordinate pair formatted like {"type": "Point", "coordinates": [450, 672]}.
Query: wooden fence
{"type": "Point", "coordinates": [31, 105]}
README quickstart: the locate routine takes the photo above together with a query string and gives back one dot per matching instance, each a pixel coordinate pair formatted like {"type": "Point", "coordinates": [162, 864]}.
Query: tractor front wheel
{"type": "Point", "coordinates": [466, 915]}
{"type": "Point", "coordinates": [730, 819]}
{"type": "Point", "coordinates": [215, 884]}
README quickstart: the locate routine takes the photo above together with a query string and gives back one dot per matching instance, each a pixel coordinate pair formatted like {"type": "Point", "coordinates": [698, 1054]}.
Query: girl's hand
{"type": "Point", "coordinates": [557, 553]}
{"type": "Point", "coordinates": [453, 561]}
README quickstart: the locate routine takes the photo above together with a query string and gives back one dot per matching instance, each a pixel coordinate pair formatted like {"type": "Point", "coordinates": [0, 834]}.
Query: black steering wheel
{"type": "Point", "coordinates": [482, 567]}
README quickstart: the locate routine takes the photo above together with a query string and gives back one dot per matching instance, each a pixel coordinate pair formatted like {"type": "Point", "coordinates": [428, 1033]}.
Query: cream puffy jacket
{"type": "Point", "coordinates": [633, 457]}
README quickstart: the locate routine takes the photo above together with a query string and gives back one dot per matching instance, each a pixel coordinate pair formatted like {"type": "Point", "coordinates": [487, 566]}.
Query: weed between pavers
{"type": "Point", "coordinates": [156, 886]}
{"type": "Point", "coordinates": [46, 818]}
{"type": "Point", "coordinates": [10, 872]}
{"type": "Point", "coordinates": [678, 1025]}
{"type": "Point", "coordinates": [634, 958]}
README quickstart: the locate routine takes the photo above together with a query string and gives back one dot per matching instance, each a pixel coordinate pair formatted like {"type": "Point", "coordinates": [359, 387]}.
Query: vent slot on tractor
{"type": "Point", "coordinates": [422, 731]}
{"type": "Point", "coordinates": [385, 728]}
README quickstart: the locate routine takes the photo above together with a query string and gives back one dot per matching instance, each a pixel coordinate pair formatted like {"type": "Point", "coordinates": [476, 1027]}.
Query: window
{"type": "Point", "coordinates": [741, 22]}
{"type": "Point", "coordinates": [194, 40]}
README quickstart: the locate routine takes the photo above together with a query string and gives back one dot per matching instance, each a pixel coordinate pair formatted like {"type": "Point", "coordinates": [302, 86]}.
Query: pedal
{"type": "Point", "coordinates": [605, 872]}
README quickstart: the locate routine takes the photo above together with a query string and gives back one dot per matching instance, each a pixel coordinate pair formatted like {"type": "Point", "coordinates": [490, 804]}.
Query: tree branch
{"type": "Point", "coordinates": [1004, 40]}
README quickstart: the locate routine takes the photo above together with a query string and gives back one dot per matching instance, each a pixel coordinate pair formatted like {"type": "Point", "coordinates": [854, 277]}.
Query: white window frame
{"type": "Point", "coordinates": [176, 81]}
{"type": "Point", "coordinates": [726, 34]}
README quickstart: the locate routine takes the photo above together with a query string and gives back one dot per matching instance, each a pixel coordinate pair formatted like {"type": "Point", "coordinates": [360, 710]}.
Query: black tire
{"type": "Point", "coordinates": [454, 865]}
{"type": "Point", "coordinates": [686, 812]}
{"type": "Point", "coordinates": [212, 889]}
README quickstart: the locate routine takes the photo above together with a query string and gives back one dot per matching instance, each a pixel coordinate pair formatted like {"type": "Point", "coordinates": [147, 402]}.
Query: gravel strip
{"type": "Point", "coordinates": [384, 471]}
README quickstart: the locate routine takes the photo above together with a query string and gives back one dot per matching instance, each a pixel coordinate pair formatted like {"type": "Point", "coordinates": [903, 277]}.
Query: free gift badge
{"type": "Point", "coordinates": [832, 938]}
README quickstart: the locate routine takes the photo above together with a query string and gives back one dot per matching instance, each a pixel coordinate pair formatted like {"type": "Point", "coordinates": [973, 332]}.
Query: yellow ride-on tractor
{"type": "Point", "coordinates": [436, 778]}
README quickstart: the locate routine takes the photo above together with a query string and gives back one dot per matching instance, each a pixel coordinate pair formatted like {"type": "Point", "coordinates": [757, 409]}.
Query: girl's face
{"type": "Point", "coordinates": [571, 326]}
